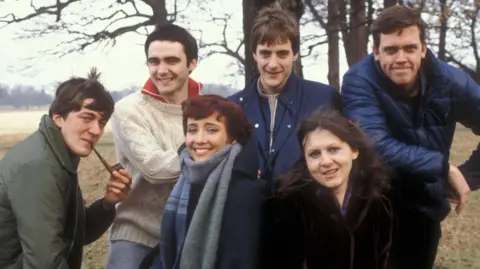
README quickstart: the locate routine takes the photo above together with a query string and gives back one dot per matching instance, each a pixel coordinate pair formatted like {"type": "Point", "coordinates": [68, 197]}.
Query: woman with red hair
{"type": "Point", "coordinates": [212, 218]}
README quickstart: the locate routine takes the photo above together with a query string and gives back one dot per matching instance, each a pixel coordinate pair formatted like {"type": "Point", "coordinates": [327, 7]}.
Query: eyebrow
{"type": "Point", "coordinates": [405, 46]}
{"type": "Point", "coordinates": [93, 115]}
{"type": "Point", "coordinates": [88, 113]}
{"type": "Point", "coordinates": [164, 58]}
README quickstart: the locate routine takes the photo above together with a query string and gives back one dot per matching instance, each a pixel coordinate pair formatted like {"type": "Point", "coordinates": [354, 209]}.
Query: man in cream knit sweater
{"type": "Point", "coordinates": [147, 129]}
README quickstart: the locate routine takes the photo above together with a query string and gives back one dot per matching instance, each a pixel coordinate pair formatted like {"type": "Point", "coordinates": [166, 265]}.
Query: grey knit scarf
{"type": "Point", "coordinates": [201, 243]}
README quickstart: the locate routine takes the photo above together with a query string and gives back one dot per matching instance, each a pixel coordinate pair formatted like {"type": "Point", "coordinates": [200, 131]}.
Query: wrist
{"type": "Point", "coordinates": [107, 205]}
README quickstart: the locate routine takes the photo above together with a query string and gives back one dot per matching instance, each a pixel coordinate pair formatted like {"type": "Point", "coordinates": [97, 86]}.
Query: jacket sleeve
{"type": "Point", "coordinates": [469, 116]}
{"type": "Point", "coordinates": [134, 139]}
{"type": "Point", "coordinates": [39, 205]}
{"type": "Point", "coordinates": [97, 221]}
{"type": "Point", "coordinates": [283, 243]}
{"type": "Point", "coordinates": [361, 105]}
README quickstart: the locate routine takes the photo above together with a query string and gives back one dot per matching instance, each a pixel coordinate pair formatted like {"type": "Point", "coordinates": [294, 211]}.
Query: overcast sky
{"type": "Point", "coordinates": [124, 65]}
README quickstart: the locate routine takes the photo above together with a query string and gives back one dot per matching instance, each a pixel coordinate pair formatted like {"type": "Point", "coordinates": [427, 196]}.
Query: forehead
{"type": "Point", "coordinates": [85, 109]}
{"type": "Point", "coordinates": [215, 118]}
{"type": "Point", "coordinates": [162, 49]}
{"type": "Point", "coordinates": [321, 138]}
{"type": "Point", "coordinates": [278, 45]}
{"type": "Point", "coordinates": [407, 36]}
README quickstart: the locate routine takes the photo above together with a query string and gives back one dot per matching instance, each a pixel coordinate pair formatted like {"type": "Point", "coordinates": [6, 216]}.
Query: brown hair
{"type": "Point", "coordinates": [274, 24]}
{"type": "Point", "coordinates": [71, 93]}
{"type": "Point", "coordinates": [174, 33]}
{"type": "Point", "coordinates": [367, 170]}
{"type": "Point", "coordinates": [203, 106]}
{"type": "Point", "coordinates": [396, 18]}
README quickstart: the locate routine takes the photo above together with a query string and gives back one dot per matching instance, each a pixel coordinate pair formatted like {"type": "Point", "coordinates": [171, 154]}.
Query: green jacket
{"type": "Point", "coordinates": [43, 220]}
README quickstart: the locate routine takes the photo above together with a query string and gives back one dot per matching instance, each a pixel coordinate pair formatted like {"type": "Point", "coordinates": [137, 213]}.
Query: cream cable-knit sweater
{"type": "Point", "coordinates": [147, 134]}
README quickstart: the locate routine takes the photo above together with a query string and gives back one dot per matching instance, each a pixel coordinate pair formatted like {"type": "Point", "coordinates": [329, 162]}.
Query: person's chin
{"type": "Point", "coordinates": [83, 152]}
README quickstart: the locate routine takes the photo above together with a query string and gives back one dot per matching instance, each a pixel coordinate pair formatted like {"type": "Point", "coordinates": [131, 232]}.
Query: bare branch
{"type": "Point", "coordinates": [313, 46]}
{"type": "Point", "coordinates": [55, 10]}
{"type": "Point", "coordinates": [316, 14]}
{"type": "Point", "coordinates": [222, 46]}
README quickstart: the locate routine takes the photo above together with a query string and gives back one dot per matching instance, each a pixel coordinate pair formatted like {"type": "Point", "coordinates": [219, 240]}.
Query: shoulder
{"type": "Point", "coordinates": [129, 104]}
{"type": "Point", "coordinates": [31, 151]}
{"type": "Point", "coordinates": [446, 74]}
{"type": "Point", "coordinates": [315, 88]}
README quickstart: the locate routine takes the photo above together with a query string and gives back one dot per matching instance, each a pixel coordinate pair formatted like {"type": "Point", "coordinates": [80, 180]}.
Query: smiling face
{"type": "Point", "coordinates": [329, 159]}
{"type": "Point", "coordinates": [400, 56]}
{"type": "Point", "coordinates": [275, 63]}
{"type": "Point", "coordinates": [81, 129]}
{"type": "Point", "coordinates": [205, 137]}
{"type": "Point", "coordinates": [167, 64]}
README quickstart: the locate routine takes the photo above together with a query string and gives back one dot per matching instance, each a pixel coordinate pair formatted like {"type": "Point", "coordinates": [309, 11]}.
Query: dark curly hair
{"type": "Point", "coordinates": [368, 174]}
{"type": "Point", "coordinates": [203, 106]}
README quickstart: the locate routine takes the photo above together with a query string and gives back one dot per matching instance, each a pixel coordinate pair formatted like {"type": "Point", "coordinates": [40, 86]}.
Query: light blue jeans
{"type": "Point", "coordinates": [126, 255]}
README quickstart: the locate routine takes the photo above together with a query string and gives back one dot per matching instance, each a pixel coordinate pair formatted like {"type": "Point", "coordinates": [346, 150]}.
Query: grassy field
{"type": "Point", "coordinates": [460, 245]}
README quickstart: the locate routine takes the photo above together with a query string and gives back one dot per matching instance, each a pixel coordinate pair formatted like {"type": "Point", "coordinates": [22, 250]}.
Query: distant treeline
{"type": "Point", "coordinates": [25, 97]}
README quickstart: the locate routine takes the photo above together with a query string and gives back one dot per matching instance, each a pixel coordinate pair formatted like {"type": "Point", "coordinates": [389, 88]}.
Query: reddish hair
{"type": "Point", "coordinates": [202, 106]}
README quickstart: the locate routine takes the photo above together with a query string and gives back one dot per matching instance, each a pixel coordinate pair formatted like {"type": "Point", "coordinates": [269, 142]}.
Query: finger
{"type": "Point", "coordinates": [463, 198]}
{"type": "Point", "coordinates": [121, 195]}
{"type": "Point", "coordinates": [119, 177]}
{"type": "Point", "coordinates": [453, 201]}
{"type": "Point", "coordinates": [118, 185]}
{"type": "Point", "coordinates": [459, 208]}
{"type": "Point", "coordinates": [125, 173]}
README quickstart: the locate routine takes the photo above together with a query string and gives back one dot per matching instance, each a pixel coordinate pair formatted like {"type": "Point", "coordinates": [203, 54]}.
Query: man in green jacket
{"type": "Point", "coordinates": [44, 223]}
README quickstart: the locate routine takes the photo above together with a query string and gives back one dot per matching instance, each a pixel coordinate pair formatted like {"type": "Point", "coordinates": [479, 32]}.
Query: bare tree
{"type": "Point", "coordinates": [73, 19]}
{"type": "Point", "coordinates": [354, 30]}
{"type": "Point", "coordinates": [332, 27]}
{"type": "Point", "coordinates": [453, 33]}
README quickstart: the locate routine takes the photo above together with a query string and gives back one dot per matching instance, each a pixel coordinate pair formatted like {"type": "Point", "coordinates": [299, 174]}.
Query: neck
{"type": "Point", "coordinates": [271, 90]}
{"type": "Point", "coordinates": [177, 97]}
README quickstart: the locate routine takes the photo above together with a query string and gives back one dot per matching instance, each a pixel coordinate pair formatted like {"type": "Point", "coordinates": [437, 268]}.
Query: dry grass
{"type": "Point", "coordinates": [460, 244]}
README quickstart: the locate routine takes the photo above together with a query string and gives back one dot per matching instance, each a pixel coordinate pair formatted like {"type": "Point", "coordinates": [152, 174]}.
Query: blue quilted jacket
{"type": "Point", "coordinates": [297, 101]}
{"type": "Point", "coordinates": [414, 136]}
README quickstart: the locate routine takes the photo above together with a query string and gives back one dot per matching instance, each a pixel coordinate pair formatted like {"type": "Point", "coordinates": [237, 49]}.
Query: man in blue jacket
{"type": "Point", "coordinates": [276, 100]}
{"type": "Point", "coordinates": [409, 102]}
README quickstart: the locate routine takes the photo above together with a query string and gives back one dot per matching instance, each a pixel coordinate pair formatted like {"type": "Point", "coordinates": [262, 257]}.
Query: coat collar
{"type": "Point", "coordinates": [356, 210]}
{"type": "Point", "coordinates": [288, 96]}
{"type": "Point", "coordinates": [55, 140]}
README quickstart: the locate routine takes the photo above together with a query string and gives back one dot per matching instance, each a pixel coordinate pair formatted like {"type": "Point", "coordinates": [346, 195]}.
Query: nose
{"type": "Point", "coordinates": [326, 160]}
{"type": "Point", "coordinates": [273, 62]}
{"type": "Point", "coordinates": [201, 137]}
{"type": "Point", "coordinates": [162, 68]}
{"type": "Point", "coordinates": [95, 128]}
{"type": "Point", "coordinates": [401, 57]}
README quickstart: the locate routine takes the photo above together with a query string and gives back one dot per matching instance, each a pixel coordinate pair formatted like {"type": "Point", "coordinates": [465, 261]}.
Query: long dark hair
{"type": "Point", "coordinates": [367, 172]}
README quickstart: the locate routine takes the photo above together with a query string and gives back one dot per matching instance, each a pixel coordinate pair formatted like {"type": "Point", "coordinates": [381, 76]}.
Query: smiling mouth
{"type": "Point", "coordinates": [202, 151]}
{"type": "Point", "coordinates": [165, 80]}
{"type": "Point", "coordinates": [330, 172]}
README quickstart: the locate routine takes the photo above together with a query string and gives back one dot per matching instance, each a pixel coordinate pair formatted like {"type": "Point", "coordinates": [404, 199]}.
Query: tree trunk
{"type": "Point", "coordinates": [443, 30]}
{"type": "Point", "coordinates": [354, 33]}
{"type": "Point", "coordinates": [249, 13]}
{"type": "Point", "coordinates": [159, 11]}
{"type": "Point", "coordinates": [333, 50]}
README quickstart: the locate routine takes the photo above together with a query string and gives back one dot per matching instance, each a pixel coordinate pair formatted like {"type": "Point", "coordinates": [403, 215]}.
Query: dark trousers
{"type": "Point", "coordinates": [415, 240]}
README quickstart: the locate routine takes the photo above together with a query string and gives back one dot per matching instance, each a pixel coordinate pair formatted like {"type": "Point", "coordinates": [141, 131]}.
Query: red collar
{"type": "Point", "coordinates": [150, 89]}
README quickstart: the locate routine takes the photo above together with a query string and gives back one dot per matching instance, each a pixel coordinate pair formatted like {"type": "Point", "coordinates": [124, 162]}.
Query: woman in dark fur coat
{"type": "Point", "coordinates": [330, 211]}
